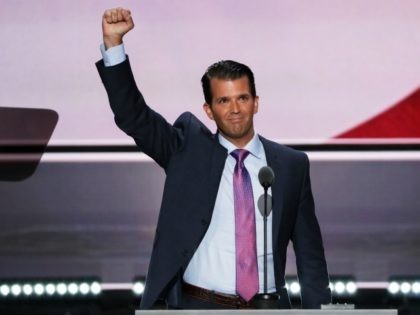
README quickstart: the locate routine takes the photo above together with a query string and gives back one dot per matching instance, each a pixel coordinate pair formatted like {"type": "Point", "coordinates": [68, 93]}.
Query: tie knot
{"type": "Point", "coordinates": [240, 155]}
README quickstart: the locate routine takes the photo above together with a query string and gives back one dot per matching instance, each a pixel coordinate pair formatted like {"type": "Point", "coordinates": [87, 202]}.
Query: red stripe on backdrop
{"type": "Point", "coordinates": [400, 121]}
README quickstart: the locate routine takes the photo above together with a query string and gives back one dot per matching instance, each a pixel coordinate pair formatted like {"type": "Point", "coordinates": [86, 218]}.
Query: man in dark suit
{"type": "Point", "coordinates": [207, 251]}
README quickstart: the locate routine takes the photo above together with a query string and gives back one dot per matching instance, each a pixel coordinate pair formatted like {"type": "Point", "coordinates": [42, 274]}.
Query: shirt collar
{"type": "Point", "coordinates": [254, 146]}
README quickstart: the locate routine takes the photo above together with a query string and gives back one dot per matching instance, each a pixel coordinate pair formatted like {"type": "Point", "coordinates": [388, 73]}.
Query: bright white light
{"type": "Point", "coordinates": [39, 289]}
{"type": "Point", "coordinates": [61, 288]}
{"type": "Point", "coordinates": [50, 288]}
{"type": "Point", "coordinates": [73, 288]}
{"type": "Point", "coordinates": [415, 287]}
{"type": "Point", "coordinates": [84, 288]}
{"type": "Point", "coordinates": [16, 289]}
{"type": "Point", "coordinates": [138, 288]}
{"type": "Point", "coordinates": [4, 290]}
{"type": "Point", "coordinates": [27, 289]}
{"type": "Point", "coordinates": [351, 287]}
{"type": "Point", "coordinates": [331, 286]}
{"type": "Point", "coordinates": [295, 287]}
{"type": "Point", "coordinates": [394, 287]}
{"type": "Point", "coordinates": [287, 286]}
{"type": "Point", "coordinates": [405, 287]}
{"type": "Point", "coordinates": [95, 288]}
{"type": "Point", "coordinates": [339, 287]}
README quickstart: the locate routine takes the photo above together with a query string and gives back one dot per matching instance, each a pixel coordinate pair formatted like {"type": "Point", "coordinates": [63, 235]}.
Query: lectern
{"type": "Point", "coordinates": [268, 312]}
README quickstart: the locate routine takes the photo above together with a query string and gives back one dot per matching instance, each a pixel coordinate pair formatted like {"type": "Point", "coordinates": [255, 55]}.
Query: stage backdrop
{"type": "Point", "coordinates": [322, 67]}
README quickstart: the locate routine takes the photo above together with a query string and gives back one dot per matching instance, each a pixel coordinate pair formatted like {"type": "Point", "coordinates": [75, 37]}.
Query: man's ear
{"type": "Point", "coordinates": [208, 110]}
{"type": "Point", "coordinates": [256, 104]}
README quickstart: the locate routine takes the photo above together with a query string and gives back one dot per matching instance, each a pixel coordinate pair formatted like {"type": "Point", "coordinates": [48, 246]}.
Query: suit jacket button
{"type": "Point", "coordinates": [204, 222]}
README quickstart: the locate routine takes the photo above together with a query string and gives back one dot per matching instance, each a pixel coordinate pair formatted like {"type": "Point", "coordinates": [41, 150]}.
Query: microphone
{"type": "Point", "coordinates": [261, 203]}
{"type": "Point", "coordinates": [266, 177]}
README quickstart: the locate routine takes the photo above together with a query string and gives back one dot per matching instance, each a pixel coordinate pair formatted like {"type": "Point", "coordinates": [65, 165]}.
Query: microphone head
{"type": "Point", "coordinates": [266, 176]}
{"type": "Point", "coordinates": [260, 204]}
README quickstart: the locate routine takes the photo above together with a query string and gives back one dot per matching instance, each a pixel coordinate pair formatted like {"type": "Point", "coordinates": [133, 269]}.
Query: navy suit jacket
{"type": "Point", "coordinates": [193, 161]}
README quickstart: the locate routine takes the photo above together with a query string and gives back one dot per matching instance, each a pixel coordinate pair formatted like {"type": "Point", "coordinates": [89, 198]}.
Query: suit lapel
{"type": "Point", "coordinates": [217, 164]}
{"type": "Point", "coordinates": [273, 160]}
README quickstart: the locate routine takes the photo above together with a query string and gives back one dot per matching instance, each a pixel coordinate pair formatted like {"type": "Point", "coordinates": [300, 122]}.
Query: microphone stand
{"type": "Point", "coordinates": [265, 240]}
{"type": "Point", "coordinates": [265, 300]}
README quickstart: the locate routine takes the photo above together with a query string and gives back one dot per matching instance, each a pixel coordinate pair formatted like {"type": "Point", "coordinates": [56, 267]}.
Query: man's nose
{"type": "Point", "coordinates": [235, 107]}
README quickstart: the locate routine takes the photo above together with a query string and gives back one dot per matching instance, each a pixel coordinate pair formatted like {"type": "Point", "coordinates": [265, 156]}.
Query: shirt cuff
{"type": "Point", "coordinates": [114, 55]}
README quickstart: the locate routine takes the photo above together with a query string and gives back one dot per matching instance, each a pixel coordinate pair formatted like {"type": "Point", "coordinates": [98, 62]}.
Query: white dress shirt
{"type": "Point", "coordinates": [213, 264]}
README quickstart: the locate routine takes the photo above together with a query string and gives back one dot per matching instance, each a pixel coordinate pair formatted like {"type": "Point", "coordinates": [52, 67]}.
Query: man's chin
{"type": "Point", "coordinates": [235, 134]}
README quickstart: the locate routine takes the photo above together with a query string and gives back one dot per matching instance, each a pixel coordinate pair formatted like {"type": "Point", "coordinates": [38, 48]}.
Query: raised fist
{"type": "Point", "coordinates": [115, 24]}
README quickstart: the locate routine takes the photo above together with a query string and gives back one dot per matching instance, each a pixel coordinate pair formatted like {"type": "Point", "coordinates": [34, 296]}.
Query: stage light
{"type": "Point", "coordinates": [416, 287]}
{"type": "Point", "coordinates": [405, 287]}
{"type": "Point", "coordinates": [292, 285]}
{"type": "Point", "coordinates": [339, 287]}
{"type": "Point", "coordinates": [139, 284]}
{"type": "Point", "coordinates": [39, 289]}
{"type": "Point", "coordinates": [408, 286]}
{"type": "Point", "coordinates": [393, 287]}
{"type": "Point", "coordinates": [61, 288]}
{"type": "Point", "coordinates": [95, 288]}
{"type": "Point", "coordinates": [50, 289]}
{"type": "Point", "coordinates": [138, 288]}
{"type": "Point", "coordinates": [27, 289]}
{"type": "Point", "coordinates": [73, 288]}
{"type": "Point", "coordinates": [4, 290]}
{"type": "Point", "coordinates": [64, 288]}
{"type": "Point", "coordinates": [343, 286]}
{"type": "Point", "coordinates": [16, 289]}
{"type": "Point", "coordinates": [84, 288]}
{"type": "Point", "coordinates": [351, 287]}
{"type": "Point", "coordinates": [295, 287]}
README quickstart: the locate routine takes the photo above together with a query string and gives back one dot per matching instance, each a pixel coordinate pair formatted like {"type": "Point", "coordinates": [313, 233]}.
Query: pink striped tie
{"type": "Point", "coordinates": [247, 284]}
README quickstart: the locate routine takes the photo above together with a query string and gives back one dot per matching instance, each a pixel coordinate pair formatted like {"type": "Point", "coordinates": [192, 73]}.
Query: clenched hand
{"type": "Point", "coordinates": [115, 24]}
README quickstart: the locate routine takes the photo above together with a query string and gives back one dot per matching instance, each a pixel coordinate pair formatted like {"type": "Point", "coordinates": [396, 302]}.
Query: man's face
{"type": "Point", "coordinates": [233, 108]}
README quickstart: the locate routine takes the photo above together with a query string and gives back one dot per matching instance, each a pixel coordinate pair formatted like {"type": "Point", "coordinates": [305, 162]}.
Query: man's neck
{"type": "Point", "coordinates": [253, 145]}
{"type": "Point", "coordinates": [238, 143]}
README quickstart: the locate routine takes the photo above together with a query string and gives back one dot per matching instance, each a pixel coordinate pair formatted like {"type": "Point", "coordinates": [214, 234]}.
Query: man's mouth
{"type": "Point", "coordinates": [235, 120]}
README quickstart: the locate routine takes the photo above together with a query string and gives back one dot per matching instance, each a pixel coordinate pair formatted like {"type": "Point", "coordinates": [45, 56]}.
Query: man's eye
{"type": "Point", "coordinates": [223, 101]}
{"type": "Point", "coordinates": [243, 98]}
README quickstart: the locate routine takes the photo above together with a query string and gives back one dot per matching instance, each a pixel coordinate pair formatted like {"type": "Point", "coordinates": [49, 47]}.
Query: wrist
{"type": "Point", "coordinates": [112, 41]}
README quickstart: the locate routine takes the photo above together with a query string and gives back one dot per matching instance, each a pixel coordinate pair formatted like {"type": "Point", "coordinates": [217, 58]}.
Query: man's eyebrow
{"type": "Point", "coordinates": [222, 98]}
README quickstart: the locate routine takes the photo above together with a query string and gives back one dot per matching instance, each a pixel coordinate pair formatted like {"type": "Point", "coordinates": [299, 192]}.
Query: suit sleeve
{"type": "Point", "coordinates": [151, 132]}
{"type": "Point", "coordinates": [309, 250]}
